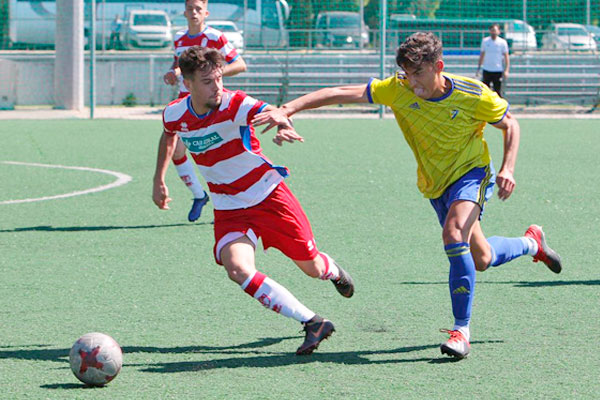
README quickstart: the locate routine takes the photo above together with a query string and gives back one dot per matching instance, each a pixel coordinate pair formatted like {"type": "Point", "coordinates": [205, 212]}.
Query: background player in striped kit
{"type": "Point", "coordinates": [249, 195]}
{"type": "Point", "coordinates": [442, 117]}
{"type": "Point", "coordinates": [198, 33]}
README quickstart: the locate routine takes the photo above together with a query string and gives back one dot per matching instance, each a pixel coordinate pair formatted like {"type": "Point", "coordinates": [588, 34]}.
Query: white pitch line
{"type": "Point", "coordinates": [122, 179]}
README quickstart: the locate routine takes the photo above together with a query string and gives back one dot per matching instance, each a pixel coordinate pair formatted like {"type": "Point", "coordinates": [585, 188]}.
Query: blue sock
{"type": "Point", "coordinates": [505, 249]}
{"type": "Point", "coordinates": [462, 281]}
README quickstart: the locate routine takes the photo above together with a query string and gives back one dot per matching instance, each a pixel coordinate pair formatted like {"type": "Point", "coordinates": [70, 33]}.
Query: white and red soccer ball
{"type": "Point", "coordinates": [96, 359]}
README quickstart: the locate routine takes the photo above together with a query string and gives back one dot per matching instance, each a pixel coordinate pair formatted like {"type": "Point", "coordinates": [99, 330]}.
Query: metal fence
{"type": "Point", "coordinates": [297, 45]}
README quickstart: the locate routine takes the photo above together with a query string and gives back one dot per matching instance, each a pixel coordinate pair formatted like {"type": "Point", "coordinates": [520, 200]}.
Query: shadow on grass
{"type": "Point", "coordinates": [66, 386]}
{"type": "Point", "coordinates": [267, 360]}
{"type": "Point", "coordinates": [61, 355]}
{"type": "Point", "coordinates": [247, 355]}
{"type": "Point", "coordinates": [49, 228]}
{"type": "Point", "coordinates": [590, 282]}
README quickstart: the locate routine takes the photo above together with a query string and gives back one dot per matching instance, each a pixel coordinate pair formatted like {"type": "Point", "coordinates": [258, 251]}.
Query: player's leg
{"type": "Point", "coordinates": [324, 267]}
{"type": "Point", "coordinates": [288, 229]}
{"type": "Point", "coordinates": [498, 83]}
{"type": "Point", "coordinates": [486, 78]}
{"type": "Point", "coordinates": [237, 257]}
{"type": "Point", "coordinates": [462, 214]}
{"type": "Point", "coordinates": [498, 250]}
{"type": "Point", "coordinates": [187, 172]}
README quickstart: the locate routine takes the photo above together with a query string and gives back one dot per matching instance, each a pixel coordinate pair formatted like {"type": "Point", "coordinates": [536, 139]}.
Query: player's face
{"type": "Point", "coordinates": [494, 32]}
{"type": "Point", "coordinates": [195, 12]}
{"type": "Point", "coordinates": [425, 79]}
{"type": "Point", "coordinates": [206, 89]}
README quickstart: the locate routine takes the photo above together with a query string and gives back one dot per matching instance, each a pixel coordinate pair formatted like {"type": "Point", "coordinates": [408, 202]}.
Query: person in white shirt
{"type": "Point", "coordinates": [495, 60]}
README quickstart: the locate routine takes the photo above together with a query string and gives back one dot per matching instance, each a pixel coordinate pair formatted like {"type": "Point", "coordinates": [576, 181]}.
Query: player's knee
{"type": "Point", "coordinates": [236, 272]}
{"type": "Point", "coordinates": [452, 234]}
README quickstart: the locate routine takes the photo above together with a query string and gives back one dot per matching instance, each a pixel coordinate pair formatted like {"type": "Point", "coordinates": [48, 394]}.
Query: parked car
{"type": "Point", "coordinates": [146, 28]}
{"type": "Point", "coordinates": [564, 36]}
{"type": "Point", "coordinates": [341, 29]}
{"type": "Point", "coordinates": [519, 34]}
{"type": "Point", "coordinates": [595, 31]}
{"type": "Point", "coordinates": [231, 32]}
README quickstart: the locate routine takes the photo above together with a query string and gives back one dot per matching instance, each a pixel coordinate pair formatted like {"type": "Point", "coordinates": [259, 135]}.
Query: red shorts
{"type": "Point", "coordinates": [279, 220]}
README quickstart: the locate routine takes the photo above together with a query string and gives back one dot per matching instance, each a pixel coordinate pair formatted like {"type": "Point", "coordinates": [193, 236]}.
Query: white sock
{"type": "Point", "coordinates": [531, 244]}
{"type": "Point", "coordinates": [331, 270]}
{"type": "Point", "coordinates": [187, 173]}
{"type": "Point", "coordinates": [464, 330]}
{"type": "Point", "coordinates": [275, 297]}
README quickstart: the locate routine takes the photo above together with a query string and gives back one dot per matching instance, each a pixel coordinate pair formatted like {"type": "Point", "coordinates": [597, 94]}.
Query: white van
{"type": "Point", "coordinates": [519, 34]}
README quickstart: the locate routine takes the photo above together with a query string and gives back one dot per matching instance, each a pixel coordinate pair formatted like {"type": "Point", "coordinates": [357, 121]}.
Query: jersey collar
{"type": "Point", "coordinates": [191, 109]}
{"type": "Point", "coordinates": [446, 95]}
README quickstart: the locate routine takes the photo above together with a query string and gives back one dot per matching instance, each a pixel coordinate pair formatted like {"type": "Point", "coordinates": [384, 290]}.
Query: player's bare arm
{"type": "Point", "coordinates": [236, 67]}
{"type": "Point", "coordinates": [170, 78]}
{"type": "Point", "coordinates": [160, 192]}
{"type": "Point", "coordinates": [506, 65]}
{"type": "Point", "coordinates": [319, 98]}
{"type": "Point", "coordinates": [512, 134]}
{"type": "Point", "coordinates": [285, 128]}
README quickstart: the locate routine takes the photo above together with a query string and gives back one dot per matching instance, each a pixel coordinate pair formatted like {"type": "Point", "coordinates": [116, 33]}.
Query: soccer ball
{"type": "Point", "coordinates": [96, 359]}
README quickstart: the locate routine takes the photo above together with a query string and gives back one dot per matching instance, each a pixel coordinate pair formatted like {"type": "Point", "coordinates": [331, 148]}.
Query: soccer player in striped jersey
{"type": "Point", "coordinates": [442, 117]}
{"type": "Point", "coordinates": [198, 33]}
{"type": "Point", "coordinates": [250, 198]}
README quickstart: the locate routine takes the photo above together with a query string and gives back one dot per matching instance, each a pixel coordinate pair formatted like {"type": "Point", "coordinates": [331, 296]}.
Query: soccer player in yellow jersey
{"type": "Point", "coordinates": [442, 117]}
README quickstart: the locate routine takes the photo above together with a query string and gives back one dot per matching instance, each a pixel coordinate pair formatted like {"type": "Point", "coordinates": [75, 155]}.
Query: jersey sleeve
{"type": "Point", "coordinates": [227, 49]}
{"type": "Point", "coordinates": [168, 128]}
{"type": "Point", "coordinates": [249, 107]}
{"type": "Point", "coordinates": [491, 107]}
{"type": "Point", "coordinates": [382, 92]}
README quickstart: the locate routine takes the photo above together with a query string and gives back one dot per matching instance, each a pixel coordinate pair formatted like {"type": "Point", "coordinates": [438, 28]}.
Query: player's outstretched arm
{"type": "Point", "coordinates": [236, 67]}
{"type": "Point", "coordinates": [160, 191]}
{"type": "Point", "coordinates": [512, 135]}
{"type": "Point", "coordinates": [319, 98]}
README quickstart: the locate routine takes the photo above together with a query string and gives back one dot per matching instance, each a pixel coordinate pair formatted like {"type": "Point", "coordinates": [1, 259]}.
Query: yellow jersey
{"type": "Point", "coordinates": [446, 133]}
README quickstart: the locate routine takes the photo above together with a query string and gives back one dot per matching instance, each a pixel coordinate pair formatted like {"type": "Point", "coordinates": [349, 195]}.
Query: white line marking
{"type": "Point", "coordinates": [122, 179]}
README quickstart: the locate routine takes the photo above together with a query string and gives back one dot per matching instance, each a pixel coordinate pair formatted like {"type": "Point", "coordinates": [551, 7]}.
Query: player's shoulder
{"type": "Point", "coordinates": [175, 110]}
{"type": "Point", "coordinates": [467, 86]}
{"type": "Point", "coordinates": [212, 33]}
{"type": "Point", "coordinates": [180, 35]}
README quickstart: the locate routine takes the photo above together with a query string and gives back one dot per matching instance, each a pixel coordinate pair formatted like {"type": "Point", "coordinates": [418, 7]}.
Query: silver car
{"type": "Point", "coordinates": [564, 36]}
{"type": "Point", "coordinates": [146, 28]}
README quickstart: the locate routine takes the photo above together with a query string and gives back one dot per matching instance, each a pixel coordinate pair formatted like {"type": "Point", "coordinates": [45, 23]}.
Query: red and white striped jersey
{"type": "Point", "coordinates": [209, 37]}
{"type": "Point", "coordinates": [225, 149]}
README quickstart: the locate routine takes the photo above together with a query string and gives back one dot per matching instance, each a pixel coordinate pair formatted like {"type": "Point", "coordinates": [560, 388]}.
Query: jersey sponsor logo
{"type": "Point", "coordinates": [454, 114]}
{"type": "Point", "coordinates": [415, 106]}
{"type": "Point", "coordinates": [199, 144]}
{"type": "Point", "coordinates": [184, 127]}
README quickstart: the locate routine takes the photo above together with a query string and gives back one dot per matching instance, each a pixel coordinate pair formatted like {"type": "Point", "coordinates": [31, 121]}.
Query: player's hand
{"type": "Point", "coordinates": [274, 117]}
{"type": "Point", "coordinates": [160, 195]}
{"type": "Point", "coordinates": [286, 134]}
{"type": "Point", "coordinates": [478, 73]}
{"type": "Point", "coordinates": [505, 74]}
{"type": "Point", "coordinates": [170, 78]}
{"type": "Point", "coordinates": [506, 184]}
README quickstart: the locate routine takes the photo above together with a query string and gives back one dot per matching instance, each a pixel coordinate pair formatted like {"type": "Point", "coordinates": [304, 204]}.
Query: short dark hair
{"type": "Point", "coordinates": [494, 25]}
{"type": "Point", "coordinates": [199, 58]}
{"type": "Point", "coordinates": [419, 48]}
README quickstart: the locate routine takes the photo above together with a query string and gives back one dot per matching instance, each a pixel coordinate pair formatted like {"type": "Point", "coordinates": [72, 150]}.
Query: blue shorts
{"type": "Point", "coordinates": [477, 186]}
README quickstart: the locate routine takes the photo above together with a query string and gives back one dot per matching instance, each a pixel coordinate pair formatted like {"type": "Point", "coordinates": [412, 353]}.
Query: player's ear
{"type": "Point", "coordinates": [439, 66]}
